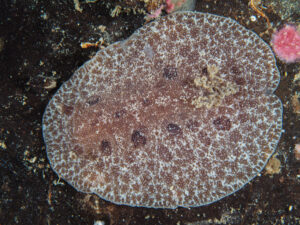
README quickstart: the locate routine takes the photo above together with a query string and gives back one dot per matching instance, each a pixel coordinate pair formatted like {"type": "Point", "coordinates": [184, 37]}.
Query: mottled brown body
{"type": "Point", "coordinates": [180, 114]}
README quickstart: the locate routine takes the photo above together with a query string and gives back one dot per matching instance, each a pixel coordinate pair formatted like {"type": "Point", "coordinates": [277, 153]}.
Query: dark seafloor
{"type": "Point", "coordinates": [40, 49]}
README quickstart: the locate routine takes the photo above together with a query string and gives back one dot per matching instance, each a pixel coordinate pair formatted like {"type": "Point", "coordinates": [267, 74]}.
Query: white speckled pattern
{"type": "Point", "coordinates": [124, 126]}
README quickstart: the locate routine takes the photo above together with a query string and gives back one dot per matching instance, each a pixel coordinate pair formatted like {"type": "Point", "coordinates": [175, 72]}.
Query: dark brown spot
{"type": "Point", "coordinates": [138, 138]}
{"type": "Point", "coordinates": [222, 123]}
{"type": "Point", "coordinates": [173, 128]}
{"type": "Point", "coordinates": [106, 147]}
{"type": "Point", "coordinates": [170, 72]}
{"type": "Point", "coordinates": [93, 100]}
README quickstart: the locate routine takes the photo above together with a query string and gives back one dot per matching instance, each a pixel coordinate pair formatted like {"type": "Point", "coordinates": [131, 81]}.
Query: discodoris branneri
{"type": "Point", "coordinates": [182, 113]}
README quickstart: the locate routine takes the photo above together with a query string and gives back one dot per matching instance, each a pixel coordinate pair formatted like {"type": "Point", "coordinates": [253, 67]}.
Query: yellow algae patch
{"type": "Point", "coordinates": [213, 88]}
{"type": "Point", "coordinates": [297, 151]}
{"type": "Point", "coordinates": [3, 145]}
{"type": "Point", "coordinates": [273, 166]}
{"type": "Point", "coordinates": [296, 103]}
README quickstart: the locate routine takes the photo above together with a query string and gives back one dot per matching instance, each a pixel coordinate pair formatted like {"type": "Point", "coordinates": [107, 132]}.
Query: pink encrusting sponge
{"type": "Point", "coordinates": [286, 44]}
